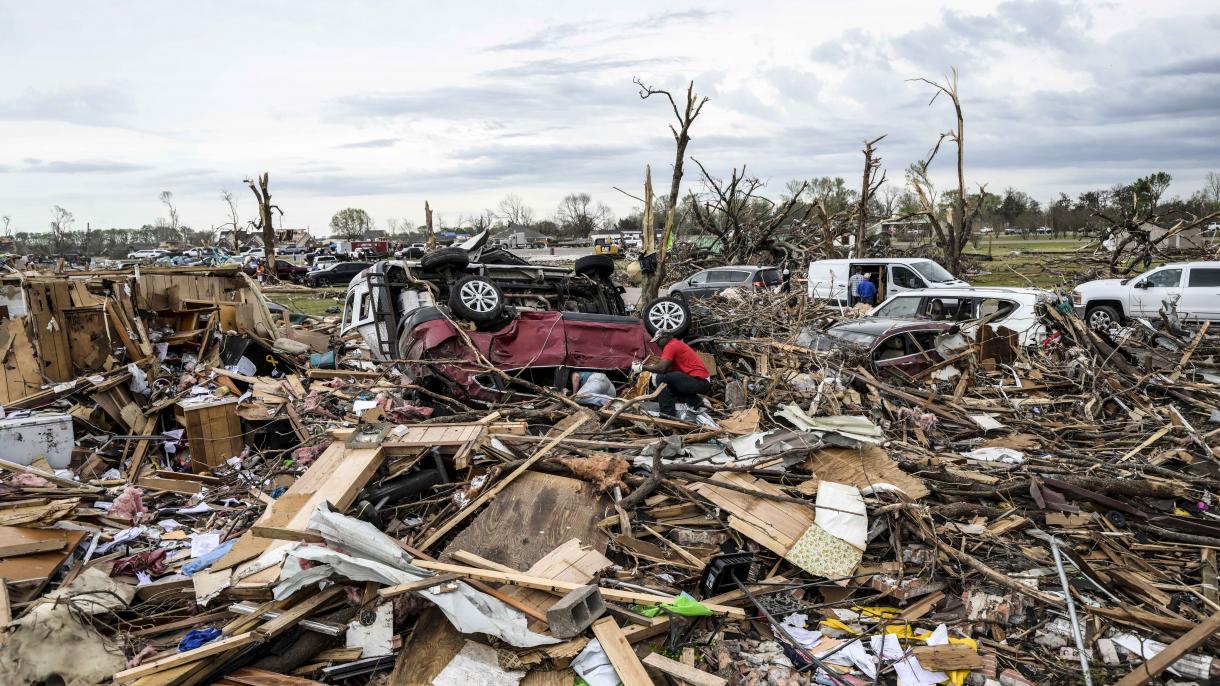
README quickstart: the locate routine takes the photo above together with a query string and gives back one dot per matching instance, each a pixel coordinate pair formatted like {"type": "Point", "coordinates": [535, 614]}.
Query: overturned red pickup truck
{"type": "Point", "coordinates": [541, 347]}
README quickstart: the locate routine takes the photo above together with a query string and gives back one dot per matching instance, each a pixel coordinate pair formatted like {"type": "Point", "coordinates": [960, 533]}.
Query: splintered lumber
{"type": "Point", "coordinates": [206, 650]}
{"type": "Point", "coordinates": [635, 634]}
{"type": "Point", "coordinates": [1185, 643]}
{"type": "Point", "coordinates": [490, 493]}
{"type": "Point", "coordinates": [552, 585]}
{"type": "Point", "coordinates": [31, 547]}
{"type": "Point", "coordinates": [336, 477]}
{"type": "Point", "coordinates": [688, 674]}
{"type": "Point", "coordinates": [622, 657]}
{"type": "Point", "coordinates": [281, 534]}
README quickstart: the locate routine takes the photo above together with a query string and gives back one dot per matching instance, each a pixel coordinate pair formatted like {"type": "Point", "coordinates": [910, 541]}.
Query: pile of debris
{"type": "Point", "coordinates": [200, 491]}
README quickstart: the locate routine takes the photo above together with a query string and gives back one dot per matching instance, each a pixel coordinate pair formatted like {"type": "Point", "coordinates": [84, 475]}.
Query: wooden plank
{"type": "Point", "coordinates": [552, 585]}
{"type": "Point", "coordinates": [142, 448]}
{"type": "Point", "coordinates": [180, 659]}
{"type": "Point", "coordinates": [36, 565]}
{"type": "Point", "coordinates": [6, 609]}
{"type": "Point", "coordinates": [695, 677]}
{"type": "Point", "coordinates": [622, 657]}
{"type": "Point", "coordinates": [289, 618]}
{"type": "Point", "coordinates": [171, 485]}
{"type": "Point", "coordinates": [251, 676]}
{"type": "Point", "coordinates": [1185, 643]}
{"type": "Point", "coordinates": [948, 658]}
{"type": "Point", "coordinates": [31, 547]}
{"type": "Point", "coordinates": [282, 534]}
{"type": "Point", "coordinates": [500, 486]}
{"type": "Point", "coordinates": [335, 477]}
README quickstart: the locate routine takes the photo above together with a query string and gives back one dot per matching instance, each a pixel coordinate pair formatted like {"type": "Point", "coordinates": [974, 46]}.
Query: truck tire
{"type": "Point", "coordinates": [1101, 317]}
{"type": "Point", "coordinates": [595, 266]}
{"type": "Point", "coordinates": [667, 314]}
{"type": "Point", "coordinates": [445, 258]}
{"type": "Point", "coordinates": [476, 299]}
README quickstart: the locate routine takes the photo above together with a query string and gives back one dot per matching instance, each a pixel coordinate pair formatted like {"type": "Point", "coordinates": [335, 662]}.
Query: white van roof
{"type": "Point", "coordinates": [872, 260]}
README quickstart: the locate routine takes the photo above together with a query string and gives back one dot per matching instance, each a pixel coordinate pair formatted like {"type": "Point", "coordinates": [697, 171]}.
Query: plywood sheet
{"type": "Point", "coordinates": [533, 516]}
{"type": "Point", "coordinates": [860, 467]}
{"type": "Point", "coordinates": [772, 524]}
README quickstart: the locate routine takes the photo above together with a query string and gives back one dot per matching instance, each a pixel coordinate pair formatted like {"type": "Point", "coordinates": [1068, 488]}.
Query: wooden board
{"type": "Point", "coordinates": [772, 524]}
{"type": "Point", "coordinates": [688, 674]}
{"type": "Point", "coordinates": [622, 657]}
{"type": "Point", "coordinates": [863, 467]}
{"type": "Point", "coordinates": [572, 561]}
{"type": "Point", "coordinates": [948, 658]}
{"type": "Point", "coordinates": [533, 516]}
{"type": "Point", "coordinates": [431, 647]}
{"type": "Point", "coordinates": [37, 565]}
{"type": "Point", "coordinates": [335, 477]}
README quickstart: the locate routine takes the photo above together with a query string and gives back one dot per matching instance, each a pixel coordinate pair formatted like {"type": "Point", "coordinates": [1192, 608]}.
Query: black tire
{"type": "Point", "coordinates": [444, 258]}
{"type": "Point", "coordinates": [1102, 316]}
{"type": "Point", "coordinates": [597, 266]}
{"type": "Point", "coordinates": [669, 314]}
{"type": "Point", "coordinates": [476, 299]}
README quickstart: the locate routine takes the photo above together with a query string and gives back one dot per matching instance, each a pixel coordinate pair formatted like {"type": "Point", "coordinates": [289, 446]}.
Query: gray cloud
{"type": "Point", "coordinates": [31, 165]}
{"type": "Point", "coordinates": [558, 66]}
{"type": "Point", "coordinates": [374, 143]}
{"type": "Point", "coordinates": [544, 38]}
{"type": "Point", "coordinates": [90, 106]}
{"type": "Point", "coordinates": [663, 20]}
{"type": "Point", "coordinates": [1208, 64]}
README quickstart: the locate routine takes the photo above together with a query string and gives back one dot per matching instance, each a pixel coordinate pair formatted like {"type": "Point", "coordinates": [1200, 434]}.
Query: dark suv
{"type": "Point", "coordinates": [709, 282]}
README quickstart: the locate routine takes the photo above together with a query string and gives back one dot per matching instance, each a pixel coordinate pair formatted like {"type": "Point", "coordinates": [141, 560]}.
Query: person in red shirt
{"type": "Point", "coordinates": [683, 373]}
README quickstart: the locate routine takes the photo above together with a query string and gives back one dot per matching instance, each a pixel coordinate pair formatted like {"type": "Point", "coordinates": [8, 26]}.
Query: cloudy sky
{"type": "Point", "coordinates": [381, 105]}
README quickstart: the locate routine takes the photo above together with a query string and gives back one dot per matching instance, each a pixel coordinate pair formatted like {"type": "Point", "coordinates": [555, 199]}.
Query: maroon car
{"type": "Point", "coordinates": [284, 270]}
{"type": "Point", "coordinates": [894, 345]}
{"type": "Point", "coordinates": [542, 347]}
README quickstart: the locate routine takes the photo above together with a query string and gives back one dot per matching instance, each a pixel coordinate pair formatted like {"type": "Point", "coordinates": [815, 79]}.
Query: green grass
{"type": "Point", "coordinates": [314, 303]}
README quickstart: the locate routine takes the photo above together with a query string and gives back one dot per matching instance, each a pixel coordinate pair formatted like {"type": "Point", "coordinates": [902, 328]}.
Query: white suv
{"type": "Point", "coordinates": [1194, 285]}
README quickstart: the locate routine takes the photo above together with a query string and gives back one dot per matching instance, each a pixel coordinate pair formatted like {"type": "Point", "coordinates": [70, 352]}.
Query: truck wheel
{"type": "Point", "coordinates": [442, 258]}
{"type": "Point", "coordinates": [476, 299]}
{"type": "Point", "coordinates": [667, 314]}
{"type": "Point", "coordinates": [1102, 317]}
{"type": "Point", "coordinates": [595, 266]}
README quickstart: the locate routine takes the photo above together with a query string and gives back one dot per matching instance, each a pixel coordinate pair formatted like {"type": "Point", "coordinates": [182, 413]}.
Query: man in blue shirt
{"type": "Point", "coordinates": [866, 290]}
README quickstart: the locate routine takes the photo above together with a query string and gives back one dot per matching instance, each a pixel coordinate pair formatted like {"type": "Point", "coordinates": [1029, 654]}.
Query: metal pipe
{"type": "Point", "coordinates": [1076, 633]}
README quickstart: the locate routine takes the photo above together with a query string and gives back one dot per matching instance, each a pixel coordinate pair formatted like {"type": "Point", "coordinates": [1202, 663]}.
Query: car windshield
{"type": "Point", "coordinates": [933, 272]}
{"type": "Point", "coordinates": [855, 337]}
{"type": "Point", "coordinates": [771, 277]}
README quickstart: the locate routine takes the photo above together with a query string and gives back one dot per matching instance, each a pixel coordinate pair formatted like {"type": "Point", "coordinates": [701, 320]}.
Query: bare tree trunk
{"type": "Point", "coordinates": [686, 117]}
{"type": "Point", "coordinates": [649, 233]}
{"type": "Point", "coordinates": [429, 236]}
{"type": "Point", "coordinates": [868, 187]}
{"type": "Point", "coordinates": [957, 233]}
{"type": "Point", "coordinates": [263, 196]}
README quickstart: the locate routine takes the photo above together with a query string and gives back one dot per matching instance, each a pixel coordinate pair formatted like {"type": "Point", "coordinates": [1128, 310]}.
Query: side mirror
{"type": "Point", "coordinates": [1141, 284]}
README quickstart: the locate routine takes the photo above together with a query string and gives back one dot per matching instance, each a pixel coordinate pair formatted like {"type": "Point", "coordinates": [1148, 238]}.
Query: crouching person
{"type": "Point", "coordinates": [683, 373]}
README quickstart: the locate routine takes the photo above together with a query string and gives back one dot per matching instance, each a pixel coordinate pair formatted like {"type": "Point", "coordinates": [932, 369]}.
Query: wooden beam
{"type": "Point", "coordinates": [206, 650]}
{"type": "Point", "coordinates": [551, 585]}
{"type": "Point", "coordinates": [472, 560]}
{"type": "Point", "coordinates": [424, 584]}
{"type": "Point", "coordinates": [688, 674]}
{"type": "Point", "coordinates": [499, 486]}
{"type": "Point", "coordinates": [282, 534]}
{"type": "Point", "coordinates": [22, 469]}
{"type": "Point", "coordinates": [622, 657]}
{"type": "Point", "coordinates": [1185, 643]}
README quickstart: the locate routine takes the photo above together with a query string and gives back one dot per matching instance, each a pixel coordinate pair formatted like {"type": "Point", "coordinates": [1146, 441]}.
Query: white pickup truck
{"type": "Point", "coordinates": [1194, 285]}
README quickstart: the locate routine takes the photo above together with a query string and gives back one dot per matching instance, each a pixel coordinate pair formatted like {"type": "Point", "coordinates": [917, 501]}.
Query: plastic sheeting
{"type": "Point", "coordinates": [375, 556]}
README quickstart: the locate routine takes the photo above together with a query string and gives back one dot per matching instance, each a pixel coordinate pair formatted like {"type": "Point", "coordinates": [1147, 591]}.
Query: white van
{"type": "Point", "coordinates": [828, 279]}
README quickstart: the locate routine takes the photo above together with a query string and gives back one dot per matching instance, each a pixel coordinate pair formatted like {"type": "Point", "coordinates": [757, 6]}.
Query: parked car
{"type": "Point", "coordinates": [709, 282]}
{"type": "Point", "coordinates": [1014, 231]}
{"type": "Point", "coordinates": [986, 231]}
{"type": "Point", "coordinates": [894, 346]}
{"type": "Point", "coordinates": [149, 254]}
{"type": "Point", "coordinates": [829, 279]}
{"type": "Point", "coordinates": [340, 273]}
{"type": "Point", "coordinates": [1012, 308]}
{"type": "Point", "coordinates": [542, 347]}
{"type": "Point", "coordinates": [487, 287]}
{"type": "Point", "coordinates": [323, 261]}
{"type": "Point", "coordinates": [284, 270]}
{"type": "Point", "coordinates": [412, 252]}
{"type": "Point", "coordinates": [290, 250]}
{"type": "Point", "coordinates": [1044, 231]}
{"type": "Point", "coordinates": [1194, 285]}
